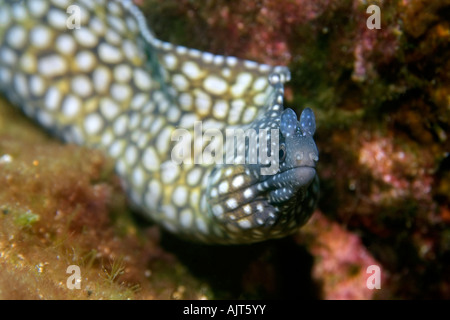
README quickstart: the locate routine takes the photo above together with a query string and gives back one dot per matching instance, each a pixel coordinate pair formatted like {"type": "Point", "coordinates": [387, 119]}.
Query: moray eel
{"type": "Point", "coordinates": [92, 73]}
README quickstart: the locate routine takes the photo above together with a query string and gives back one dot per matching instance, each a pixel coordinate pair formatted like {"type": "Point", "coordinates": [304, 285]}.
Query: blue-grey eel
{"type": "Point", "coordinates": [202, 143]}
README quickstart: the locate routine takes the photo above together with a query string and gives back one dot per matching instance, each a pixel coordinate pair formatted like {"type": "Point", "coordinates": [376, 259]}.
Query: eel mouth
{"type": "Point", "coordinates": [290, 183]}
{"type": "Point", "coordinates": [296, 177]}
{"type": "Point", "coordinates": [303, 175]}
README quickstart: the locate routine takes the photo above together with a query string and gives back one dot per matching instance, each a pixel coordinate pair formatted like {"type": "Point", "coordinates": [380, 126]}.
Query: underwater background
{"type": "Point", "coordinates": [381, 98]}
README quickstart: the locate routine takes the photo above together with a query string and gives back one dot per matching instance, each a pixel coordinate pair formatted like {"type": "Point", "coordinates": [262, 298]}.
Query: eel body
{"type": "Point", "coordinates": [92, 73]}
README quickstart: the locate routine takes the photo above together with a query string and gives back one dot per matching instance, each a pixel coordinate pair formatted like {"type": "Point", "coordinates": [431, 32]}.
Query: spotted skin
{"type": "Point", "coordinates": [112, 85]}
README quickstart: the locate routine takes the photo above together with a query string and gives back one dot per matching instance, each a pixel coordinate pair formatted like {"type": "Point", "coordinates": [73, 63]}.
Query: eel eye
{"type": "Point", "coordinates": [282, 152]}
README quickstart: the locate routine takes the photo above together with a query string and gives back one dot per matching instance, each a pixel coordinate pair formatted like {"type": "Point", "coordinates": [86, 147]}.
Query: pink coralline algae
{"type": "Point", "coordinates": [399, 169]}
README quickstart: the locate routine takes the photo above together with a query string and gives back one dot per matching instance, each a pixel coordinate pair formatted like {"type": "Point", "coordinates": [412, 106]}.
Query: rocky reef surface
{"type": "Point", "coordinates": [382, 104]}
